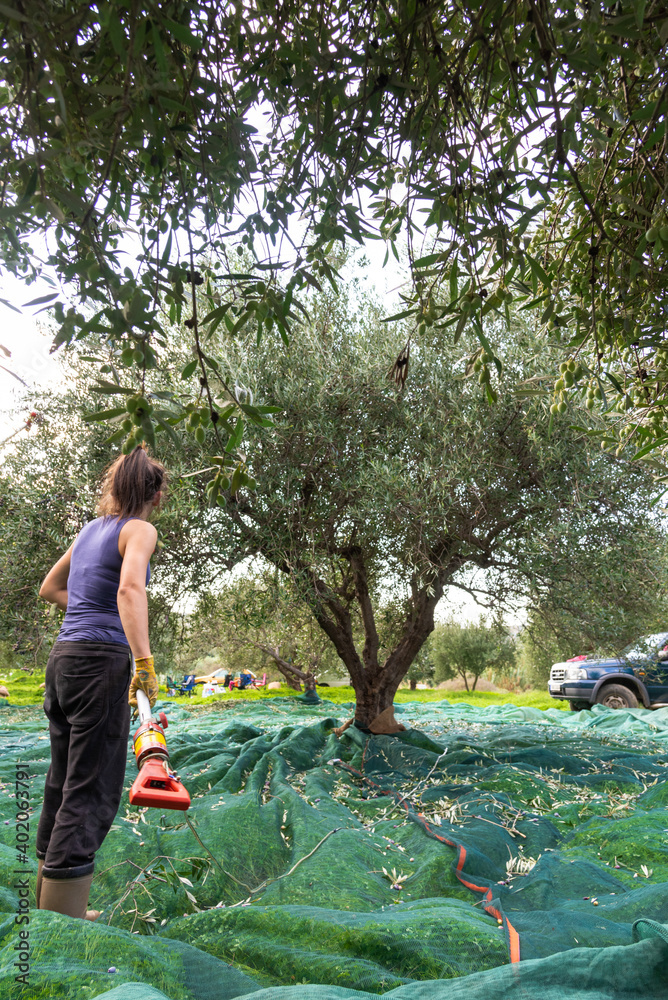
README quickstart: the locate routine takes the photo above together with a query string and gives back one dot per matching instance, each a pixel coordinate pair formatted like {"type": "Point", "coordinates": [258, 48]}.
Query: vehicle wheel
{"type": "Point", "coordinates": [616, 696]}
{"type": "Point", "coordinates": [579, 706]}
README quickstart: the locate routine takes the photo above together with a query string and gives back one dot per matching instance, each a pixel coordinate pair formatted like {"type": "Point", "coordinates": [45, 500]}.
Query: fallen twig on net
{"type": "Point", "coordinates": [278, 878]}
{"type": "Point", "coordinates": [268, 881]}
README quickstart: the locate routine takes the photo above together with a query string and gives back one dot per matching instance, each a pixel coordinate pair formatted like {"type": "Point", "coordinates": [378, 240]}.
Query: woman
{"type": "Point", "coordinates": [100, 583]}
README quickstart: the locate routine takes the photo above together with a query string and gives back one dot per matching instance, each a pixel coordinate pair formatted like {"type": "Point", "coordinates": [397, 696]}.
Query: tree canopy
{"type": "Point", "coordinates": [516, 151]}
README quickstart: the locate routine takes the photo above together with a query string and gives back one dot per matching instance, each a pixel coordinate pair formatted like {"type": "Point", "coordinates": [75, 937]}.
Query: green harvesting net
{"type": "Point", "coordinates": [495, 852]}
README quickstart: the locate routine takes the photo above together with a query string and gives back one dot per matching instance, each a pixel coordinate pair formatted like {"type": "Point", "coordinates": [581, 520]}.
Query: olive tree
{"type": "Point", "coordinates": [258, 614]}
{"type": "Point", "coordinates": [369, 497]}
{"type": "Point", "coordinates": [423, 667]}
{"type": "Point", "coordinates": [367, 485]}
{"type": "Point", "coordinates": [468, 650]}
{"type": "Point", "coordinates": [604, 596]}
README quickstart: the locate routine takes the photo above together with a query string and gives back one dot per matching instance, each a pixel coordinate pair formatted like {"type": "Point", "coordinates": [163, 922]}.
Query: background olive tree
{"type": "Point", "coordinates": [467, 651]}
{"type": "Point", "coordinates": [257, 621]}
{"type": "Point", "coordinates": [600, 601]}
{"type": "Point", "coordinates": [422, 669]}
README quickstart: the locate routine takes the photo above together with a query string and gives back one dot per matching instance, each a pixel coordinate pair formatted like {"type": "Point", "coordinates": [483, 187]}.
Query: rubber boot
{"type": "Point", "coordinates": [68, 896]}
{"type": "Point", "coordinates": [38, 886]}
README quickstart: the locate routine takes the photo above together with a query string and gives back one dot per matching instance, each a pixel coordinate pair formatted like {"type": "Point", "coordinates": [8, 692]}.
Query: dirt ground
{"type": "Point", "coordinates": [457, 684]}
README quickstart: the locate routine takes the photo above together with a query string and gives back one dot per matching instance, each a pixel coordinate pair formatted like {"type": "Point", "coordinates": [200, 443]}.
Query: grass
{"type": "Point", "coordinates": [346, 695]}
{"type": "Point", "coordinates": [525, 699]}
{"type": "Point", "coordinates": [24, 690]}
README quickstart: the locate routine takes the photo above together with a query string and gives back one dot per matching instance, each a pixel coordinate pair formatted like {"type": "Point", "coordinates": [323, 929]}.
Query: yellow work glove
{"type": "Point", "coordinates": [144, 679]}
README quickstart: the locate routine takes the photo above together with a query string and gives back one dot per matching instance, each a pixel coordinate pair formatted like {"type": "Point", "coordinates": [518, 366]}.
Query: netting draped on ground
{"type": "Point", "coordinates": [483, 852]}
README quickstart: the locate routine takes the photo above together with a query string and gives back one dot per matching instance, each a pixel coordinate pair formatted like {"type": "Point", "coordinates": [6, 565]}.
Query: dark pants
{"type": "Point", "coordinates": [86, 703]}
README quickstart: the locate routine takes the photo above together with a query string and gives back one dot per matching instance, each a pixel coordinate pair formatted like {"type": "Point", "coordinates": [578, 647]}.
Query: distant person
{"type": "Point", "coordinates": [100, 583]}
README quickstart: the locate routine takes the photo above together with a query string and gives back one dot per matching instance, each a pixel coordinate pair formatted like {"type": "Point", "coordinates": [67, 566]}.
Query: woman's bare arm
{"type": "Point", "coordinates": [136, 544]}
{"type": "Point", "coordinates": [54, 587]}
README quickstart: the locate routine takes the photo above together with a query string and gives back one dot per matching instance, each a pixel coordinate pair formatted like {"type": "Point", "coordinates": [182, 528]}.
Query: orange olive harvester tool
{"type": "Point", "coordinates": [156, 784]}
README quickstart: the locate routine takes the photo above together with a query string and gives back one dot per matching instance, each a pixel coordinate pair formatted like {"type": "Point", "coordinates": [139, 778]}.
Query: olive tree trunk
{"type": "Point", "coordinates": [375, 683]}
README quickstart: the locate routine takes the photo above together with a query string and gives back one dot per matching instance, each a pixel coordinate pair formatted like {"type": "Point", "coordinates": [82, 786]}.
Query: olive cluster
{"type": "Point", "coordinates": [658, 234]}
{"type": "Point", "coordinates": [197, 421]}
{"type": "Point", "coordinates": [570, 373]}
{"type": "Point", "coordinates": [481, 366]}
{"type": "Point", "coordinates": [593, 395]}
{"type": "Point", "coordinates": [132, 355]}
{"type": "Point", "coordinates": [229, 478]}
{"type": "Point", "coordinates": [137, 424]}
{"type": "Point", "coordinates": [473, 299]}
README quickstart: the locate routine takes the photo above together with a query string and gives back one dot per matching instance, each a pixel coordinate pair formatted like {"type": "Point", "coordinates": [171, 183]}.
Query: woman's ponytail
{"type": "Point", "coordinates": [130, 483]}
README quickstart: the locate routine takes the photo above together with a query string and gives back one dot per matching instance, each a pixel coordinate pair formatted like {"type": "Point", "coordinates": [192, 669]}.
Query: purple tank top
{"type": "Point", "coordinates": [92, 586]}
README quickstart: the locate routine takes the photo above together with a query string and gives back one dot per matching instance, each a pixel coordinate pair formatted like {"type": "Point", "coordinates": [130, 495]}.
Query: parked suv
{"type": "Point", "coordinates": [637, 677]}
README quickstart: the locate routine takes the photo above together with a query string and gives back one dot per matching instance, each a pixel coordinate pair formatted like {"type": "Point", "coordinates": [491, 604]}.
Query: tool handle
{"type": "Point", "coordinates": [144, 705]}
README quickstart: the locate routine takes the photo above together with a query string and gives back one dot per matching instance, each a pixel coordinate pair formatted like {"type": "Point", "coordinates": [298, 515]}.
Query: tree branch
{"type": "Point", "coordinates": [356, 560]}
{"type": "Point", "coordinates": [284, 664]}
